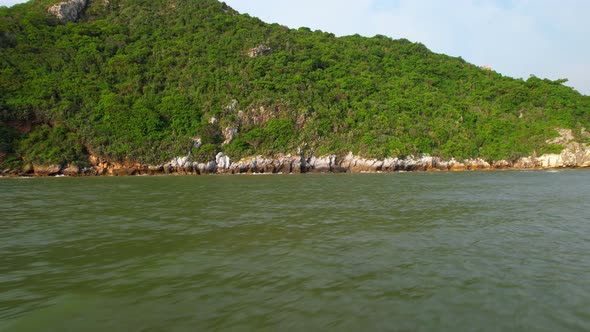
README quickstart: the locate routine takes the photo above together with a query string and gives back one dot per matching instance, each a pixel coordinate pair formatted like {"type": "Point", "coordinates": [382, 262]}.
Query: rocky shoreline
{"type": "Point", "coordinates": [298, 164]}
{"type": "Point", "coordinates": [574, 155]}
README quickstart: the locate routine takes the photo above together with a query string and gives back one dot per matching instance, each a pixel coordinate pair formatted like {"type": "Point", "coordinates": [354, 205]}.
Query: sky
{"type": "Point", "coordinates": [517, 38]}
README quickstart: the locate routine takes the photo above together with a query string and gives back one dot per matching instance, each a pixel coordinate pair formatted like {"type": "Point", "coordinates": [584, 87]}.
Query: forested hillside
{"type": "Point", "coordinates": [142, 80]}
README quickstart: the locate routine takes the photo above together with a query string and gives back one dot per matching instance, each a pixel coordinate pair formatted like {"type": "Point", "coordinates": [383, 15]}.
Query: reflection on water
{"type": "Point", "coordinates": [413, 251]}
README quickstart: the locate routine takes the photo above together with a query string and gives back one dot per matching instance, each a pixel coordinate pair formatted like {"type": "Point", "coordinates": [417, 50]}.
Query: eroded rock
{"type": "Point", "coordinates": [46, 170]}
{"type": "Point", "coordinates": [71, 170]}
{"type": "Point", "coordinates": [68, 11]}
{"type": "Point", "coordinates": [259, 50]}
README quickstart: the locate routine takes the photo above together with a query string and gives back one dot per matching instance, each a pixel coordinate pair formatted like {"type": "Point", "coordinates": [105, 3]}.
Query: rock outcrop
{"type": "Point", "coordinates": [46, 170]}
{"type": "Point", "coordinates": [71, 170]}
{"type": "Point", "coordinates": [574, 154]}
{"type": "Point", "coordinates": [229, 134]}
{"type": "Point", "coordinates": [68, 11]}
{"type": "Point", "coordinates": [259, 50]}
{"type": "Point", "coordinates": [223, 162]}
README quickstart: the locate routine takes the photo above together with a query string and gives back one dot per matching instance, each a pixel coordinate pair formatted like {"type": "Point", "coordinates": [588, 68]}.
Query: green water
{"type": "Point", "coordinates": [473, 251]}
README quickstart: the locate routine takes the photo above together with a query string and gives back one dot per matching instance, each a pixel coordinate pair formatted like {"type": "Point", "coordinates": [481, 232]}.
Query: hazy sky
{"type": "Point", "coordinates": [546, 38]}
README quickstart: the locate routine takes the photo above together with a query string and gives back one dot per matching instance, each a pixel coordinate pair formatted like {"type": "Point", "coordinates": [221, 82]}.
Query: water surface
{"type": "Point", "coordinates": [469, 251]}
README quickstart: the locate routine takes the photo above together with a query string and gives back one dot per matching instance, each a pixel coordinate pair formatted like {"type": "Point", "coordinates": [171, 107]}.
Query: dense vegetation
{"type": "Point", "coordinates": [138, 80]}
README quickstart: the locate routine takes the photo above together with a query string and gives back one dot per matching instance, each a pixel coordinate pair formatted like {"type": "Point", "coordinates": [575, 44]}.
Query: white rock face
{"type": "Point", "coordinates": [229, 134]}
{"type": "Point", "coordinates": [206, 168]}
{"type": "Point", "coordinates": [550, 160]}
{"type": "Point", "coordinates": [179, 162]}
{"type": "Point", "coordinates": [574, 155]}
{"type": "Point", "coordinates": [259, 50]}
{"type": "Point", "coordinates": [68, 11]}
{"type": "Point", "coordinates": [322, 163]}
{"type": "Point", "coordinates": [222, 161]}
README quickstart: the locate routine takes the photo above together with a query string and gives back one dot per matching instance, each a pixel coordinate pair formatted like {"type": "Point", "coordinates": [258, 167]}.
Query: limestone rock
{"type": "Point", "coordinates": [550, 160]}
{"type": "Point", "coordinates": [501, 164]}
{"type": "Point", "coordinates": [259, 50]}
{"type": "Point", "coordinates": [477, 164]}
{"type": "Point", "coordinates": [573, 155]}
{"type": "Point", "coordinates": [223, 161]}
{"type": "Point", "coordinates": [179, 162]}
{"type": "Point", "coordinates": [229, 134]}
{"type": "Point", "coordinates": [68, 11]}
{"type": "Point", "coordinates": [46, 170]}
{"type": "Point", "coordinates": [71, 170]}
{"type": "Point", "coordinates": [232, 107]}
{"type": "Point", "coordinates": [357, 164]}
{"type": "Point", "coordinates": [455, 165]}
{"type": "Point", "coordinates": [207, 168]}
{"type": "Point", "coordinates": [526, 162]}
{"type": "Point", "coordinates": [321, 164]}
{"type": "Point", "coordinates": [390, 165]}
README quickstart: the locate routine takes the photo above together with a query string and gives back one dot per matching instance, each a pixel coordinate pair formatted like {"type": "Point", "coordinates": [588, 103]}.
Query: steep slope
{"type": "Point", "coordinates": [143, 81]}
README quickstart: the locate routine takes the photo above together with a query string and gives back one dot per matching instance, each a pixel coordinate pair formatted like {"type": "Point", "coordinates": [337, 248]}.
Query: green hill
{"type": "Point", "coordinates": [141, 80]}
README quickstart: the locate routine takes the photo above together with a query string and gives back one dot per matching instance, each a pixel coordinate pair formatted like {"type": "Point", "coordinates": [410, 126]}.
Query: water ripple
{"type": "Point", "coordinates": [420, 252]}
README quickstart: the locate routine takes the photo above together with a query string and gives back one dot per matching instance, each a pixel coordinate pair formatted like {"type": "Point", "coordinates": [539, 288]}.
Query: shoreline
{"type": "Point", "coordinates": [137, 174]}
{"type": "Point", "coordinates": [289, 164]}
{"type": "Point", "coordinates": [574, 155]}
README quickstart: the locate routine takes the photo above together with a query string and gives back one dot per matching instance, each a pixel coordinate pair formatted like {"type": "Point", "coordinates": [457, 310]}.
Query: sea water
{"type": "Point", "coordinates": [467, 251]}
